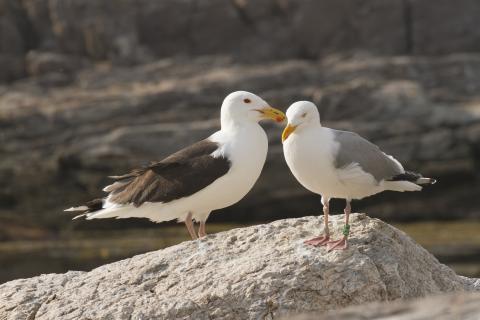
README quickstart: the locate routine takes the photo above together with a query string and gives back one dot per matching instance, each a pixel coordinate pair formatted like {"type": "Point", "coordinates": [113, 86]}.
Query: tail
{"type": "Point", "coordinates": [91, 206]}
{"type": "Point", "coordinates": [414, 177]}
{"type": "Point", "coordinates": [407, 181]}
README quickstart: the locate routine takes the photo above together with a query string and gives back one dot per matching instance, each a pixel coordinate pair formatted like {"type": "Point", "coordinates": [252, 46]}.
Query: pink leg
{"type": "Point", "coordinates": [201, 230]}
{"type": "Point", "coordinates": [342, 244]}
{"type": "Point", "coordinates": [322, 240]}
{"type": "Point", "coordinates": [190, 227]}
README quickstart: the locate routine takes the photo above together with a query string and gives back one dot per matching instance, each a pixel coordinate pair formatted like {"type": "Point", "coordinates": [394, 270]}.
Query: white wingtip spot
{"type": "Point", "coordinates": [107, 188]}
{"type": "Point", "coordinates": [426, 181]}
{"type": "Point", "coordinates": [81, 208]}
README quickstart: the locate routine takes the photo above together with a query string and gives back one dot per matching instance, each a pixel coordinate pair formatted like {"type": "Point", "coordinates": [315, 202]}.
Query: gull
{"type": "Point", "coordinates": [208, 175]}
{"type": "Point", "coordinates": [339, 164]}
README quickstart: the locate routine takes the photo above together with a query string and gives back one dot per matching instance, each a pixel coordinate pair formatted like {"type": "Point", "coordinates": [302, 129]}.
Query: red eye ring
{"type": "Point", "coordinates": [247, 100]}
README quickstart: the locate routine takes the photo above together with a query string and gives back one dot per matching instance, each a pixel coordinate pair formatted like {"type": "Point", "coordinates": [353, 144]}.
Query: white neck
{"type": "Point", "coordinates": [228, 122]}
{"type": "Point", "coordinates": [309, 126]}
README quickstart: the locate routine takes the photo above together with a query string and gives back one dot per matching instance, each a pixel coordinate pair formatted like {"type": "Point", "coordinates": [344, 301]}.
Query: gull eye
{"type": "Point", "coordinates": [247, 100]}
{"type": "Point", "coordinates": [304, 115]}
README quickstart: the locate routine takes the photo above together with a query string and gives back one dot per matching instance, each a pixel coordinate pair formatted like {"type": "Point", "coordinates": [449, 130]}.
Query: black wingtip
{"type": "Point", "coordinates": [413, 177]}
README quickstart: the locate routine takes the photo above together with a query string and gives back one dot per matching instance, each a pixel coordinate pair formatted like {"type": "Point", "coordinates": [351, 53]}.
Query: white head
{"type": "Point", "coordinates": [242, 106]}
{"type": "Point", "coordinates": [301, 115]}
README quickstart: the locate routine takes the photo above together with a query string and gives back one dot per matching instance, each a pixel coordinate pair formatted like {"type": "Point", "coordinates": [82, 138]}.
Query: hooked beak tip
{"type": "Point", "coordinates": [272, 114]}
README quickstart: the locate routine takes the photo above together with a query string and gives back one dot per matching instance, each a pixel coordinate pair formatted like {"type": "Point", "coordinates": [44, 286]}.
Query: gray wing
{"type": "Point", "coordinates": [355, 149]}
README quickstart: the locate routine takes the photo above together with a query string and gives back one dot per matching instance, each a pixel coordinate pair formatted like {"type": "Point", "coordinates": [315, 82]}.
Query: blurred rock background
{"type": "Point", "coordinates": [90, 88]}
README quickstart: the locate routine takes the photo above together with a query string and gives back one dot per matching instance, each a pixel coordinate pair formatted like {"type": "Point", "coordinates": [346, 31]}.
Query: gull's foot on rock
{"type": "Point", "coordinates": [318, 241]}
{"type": "Point", "coordinates": [337, 244]}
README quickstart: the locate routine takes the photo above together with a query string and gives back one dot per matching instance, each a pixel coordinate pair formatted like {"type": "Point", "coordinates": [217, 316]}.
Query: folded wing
{"type": "Point", "coordinates": [353, 149]}
{"type": "Point", "coordinates": [180, 175]}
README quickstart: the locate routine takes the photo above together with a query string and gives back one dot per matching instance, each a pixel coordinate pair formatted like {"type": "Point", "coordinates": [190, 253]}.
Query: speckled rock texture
{"type": "Point", "coordinates": [259, 272]}
{"type": "Point", "coordinates": [456, 306]}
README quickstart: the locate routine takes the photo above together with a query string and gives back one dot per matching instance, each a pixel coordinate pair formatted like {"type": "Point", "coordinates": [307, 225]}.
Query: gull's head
{"type": "Point", "coordinates": [241, 106]}
{"type": "Point", "coordinates": [300, 115]}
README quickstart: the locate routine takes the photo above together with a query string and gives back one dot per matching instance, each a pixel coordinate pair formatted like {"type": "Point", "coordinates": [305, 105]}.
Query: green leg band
{"type": "Point", "coordinates": [346, 230]}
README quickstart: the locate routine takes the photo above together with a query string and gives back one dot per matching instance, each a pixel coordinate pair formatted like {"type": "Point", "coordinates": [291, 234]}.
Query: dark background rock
{"type": "Point", "coordinates": [90, 85]}
{"type": "Point", "coordinates": [331, 26]}
{"type": "Point", "coordinates": [442, 28]}
{"type": "Point", "coordinates": [60, 144]}
{"type": "Point", "coordinates": [139, 31]}
{"type": "Point", "coordinates": [53, 69]}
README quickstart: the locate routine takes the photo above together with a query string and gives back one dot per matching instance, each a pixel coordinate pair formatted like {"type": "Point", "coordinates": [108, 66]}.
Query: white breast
{"type": "Point", "coordinates": [310, 156]}
{"type": "Point", "coordinates": [246, 147]}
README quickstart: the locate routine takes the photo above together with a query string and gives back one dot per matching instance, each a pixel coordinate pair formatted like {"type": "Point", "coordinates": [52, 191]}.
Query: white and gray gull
{"type": "Point", "coordinates": [211, 174]}
{"type": "Point", "coordinates": [339, 164]}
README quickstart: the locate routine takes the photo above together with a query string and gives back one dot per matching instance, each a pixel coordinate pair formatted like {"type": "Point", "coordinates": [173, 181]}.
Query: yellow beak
{"type": "Point", "coordinates": [273, 114]}
{"type": "Point", "coordinates": [288, 131]}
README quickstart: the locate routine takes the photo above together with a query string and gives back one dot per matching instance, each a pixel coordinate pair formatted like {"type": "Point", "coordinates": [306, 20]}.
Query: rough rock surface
{"type": "Point", "coordinates": [464, 306]}
{"type": "Point", "coordinates": [258, 272]}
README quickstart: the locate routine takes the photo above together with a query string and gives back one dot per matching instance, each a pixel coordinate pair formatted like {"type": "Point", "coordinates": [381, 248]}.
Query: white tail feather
{"type": "Point", "coordinates": [401, 186]}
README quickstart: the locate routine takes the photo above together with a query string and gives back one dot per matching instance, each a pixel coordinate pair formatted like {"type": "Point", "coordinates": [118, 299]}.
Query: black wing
{"type": "Point", "coordinates": [180, 175]}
